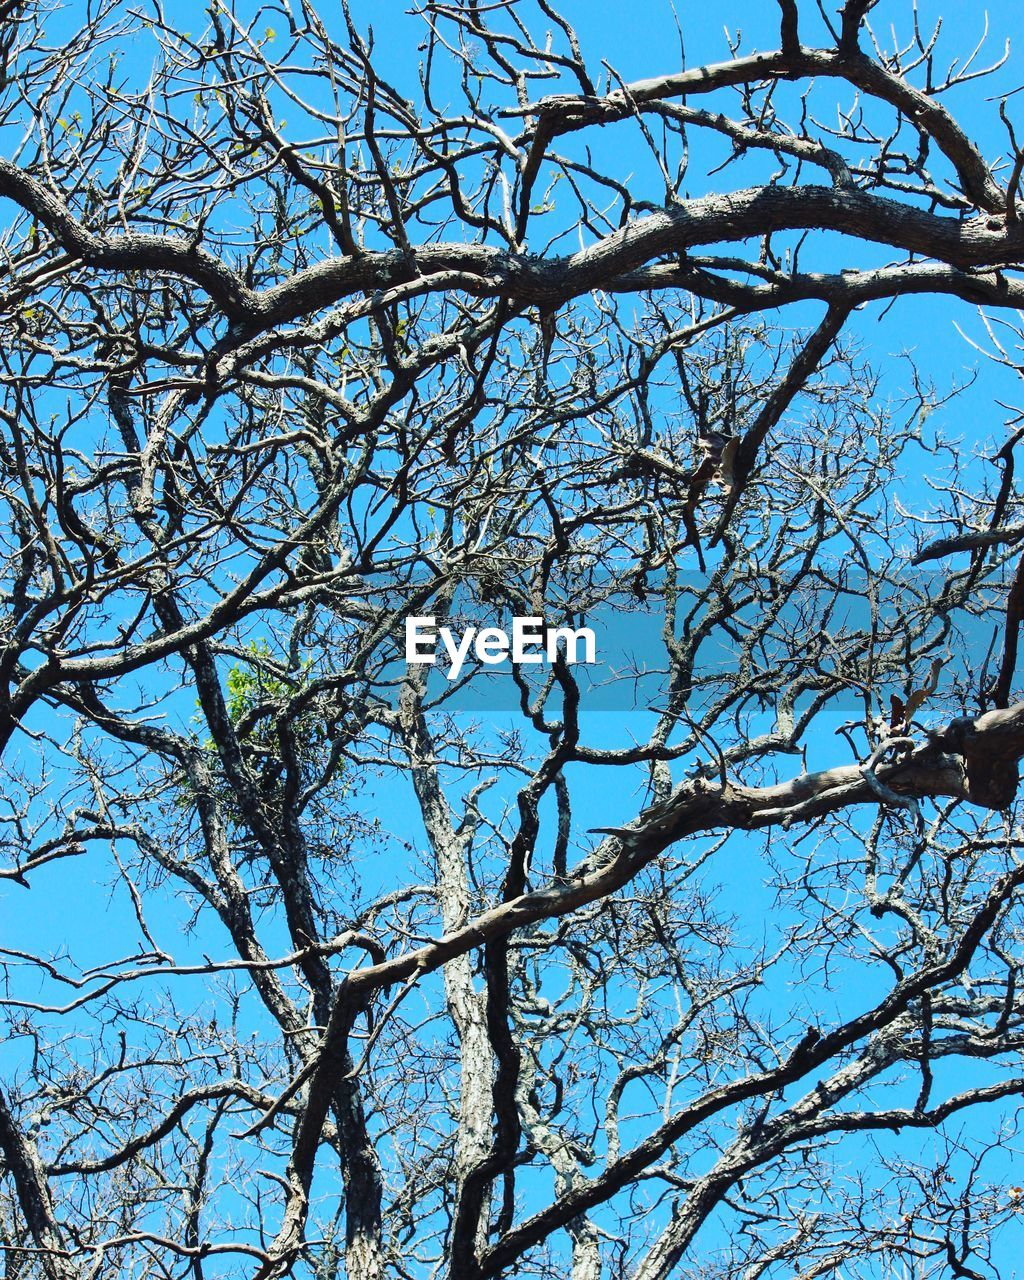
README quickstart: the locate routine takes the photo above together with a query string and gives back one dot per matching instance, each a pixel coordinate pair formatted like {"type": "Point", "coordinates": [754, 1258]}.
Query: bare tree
{"type": "Point", "coordinates": [707, 966]}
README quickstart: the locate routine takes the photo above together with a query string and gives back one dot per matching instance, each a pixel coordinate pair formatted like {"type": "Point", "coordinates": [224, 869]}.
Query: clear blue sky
{"type": "Point", "coordinates": [70, 906]}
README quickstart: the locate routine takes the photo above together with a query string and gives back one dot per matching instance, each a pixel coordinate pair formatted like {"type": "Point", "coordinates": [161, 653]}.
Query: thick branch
{"type": "Point", "coordinates": [485, 271]}
{"type": "Point", "coordinates": [23, 1161]}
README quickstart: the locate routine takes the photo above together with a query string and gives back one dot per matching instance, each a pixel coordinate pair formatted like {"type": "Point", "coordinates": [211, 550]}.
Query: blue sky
{"type": "Point", "coordinates": [71, 906]}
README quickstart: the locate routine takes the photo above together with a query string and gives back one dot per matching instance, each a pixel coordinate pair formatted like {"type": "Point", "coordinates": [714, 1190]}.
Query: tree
{"type": "Point", "coordinates": [698, 967]}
